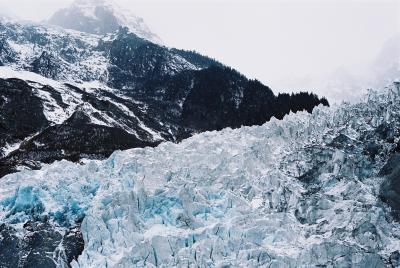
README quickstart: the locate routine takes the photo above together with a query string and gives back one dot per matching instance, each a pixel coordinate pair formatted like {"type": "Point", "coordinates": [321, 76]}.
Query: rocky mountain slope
{"type": "Point", "coordinates": [311, 190]}
{"type": "Point", "coordinates": [72, 95]}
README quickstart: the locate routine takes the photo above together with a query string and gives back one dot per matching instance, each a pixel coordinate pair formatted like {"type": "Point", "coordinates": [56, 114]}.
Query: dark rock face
{"type": "Point", "coordinates": [136, 62]}
{"type": "Point", "coordinates": [46, 65]}
{"type": "Point", "coordinates": [395, 259]}
{"type": "Point", "coordinates": [41, 245]}
{"type": "Point", "coordinates": [73, 140]}
{"type": "Point", "coordinates": [98, 141]}
{"type": "Point", "coordinates": [21, 112]}
{"type": "Point", "coordinates": [386, 132]}
{"type": "Point", "coordinates": [391, 165]}
{"type": "Point", "coordinates": [73, 244]}
{"type": "Point", "coordinates": [390, 189]}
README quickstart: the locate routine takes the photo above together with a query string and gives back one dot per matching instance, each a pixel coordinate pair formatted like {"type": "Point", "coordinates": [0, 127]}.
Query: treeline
{"type": "Point", "coordinates": [295, 102]}
{"type": "Point", "coordinates": [222, 97]}
{"type": "Point", "coordinates": [196, 58]}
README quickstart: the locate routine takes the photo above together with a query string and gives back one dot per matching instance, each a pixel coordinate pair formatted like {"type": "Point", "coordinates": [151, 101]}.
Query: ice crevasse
{"type": "Point", "coordinates": [300, 192]}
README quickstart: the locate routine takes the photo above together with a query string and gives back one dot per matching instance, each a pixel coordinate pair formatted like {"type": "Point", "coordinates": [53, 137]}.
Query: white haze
{"type": "Point", "coordinates": [285, 44]}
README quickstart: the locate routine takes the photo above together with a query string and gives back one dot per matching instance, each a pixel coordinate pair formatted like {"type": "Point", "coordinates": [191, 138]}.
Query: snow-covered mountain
{"type": "Point", "coordinates": [308, 191]}
{"type": "Point", "coordinates": [66, 94]}
{"type": "Point", "coordinates": [75, 56]}
{"type": "Point", "coordinates": [101, 17]}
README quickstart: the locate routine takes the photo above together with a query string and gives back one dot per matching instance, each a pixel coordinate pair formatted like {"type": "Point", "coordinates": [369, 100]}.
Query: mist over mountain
{"type": "Point", "coordinates": [101, 17]}
{"type": "Point", "coordinates": [350, 84]}
{"type": "Point", "coordinates": [386, 67]}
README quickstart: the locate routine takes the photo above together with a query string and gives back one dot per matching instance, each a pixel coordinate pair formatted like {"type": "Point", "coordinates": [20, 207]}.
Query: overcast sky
{"type": "Point", "coordinates": [267, 40]}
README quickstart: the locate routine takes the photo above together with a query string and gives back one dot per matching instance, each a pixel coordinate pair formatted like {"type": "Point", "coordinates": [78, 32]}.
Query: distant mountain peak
{"type": "Point", "coordinates": [101, 17]}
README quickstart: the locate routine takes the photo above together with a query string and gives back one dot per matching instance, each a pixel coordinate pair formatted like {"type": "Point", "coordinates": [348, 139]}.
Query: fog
{"type": "Point", "coordinates": [273, 41]}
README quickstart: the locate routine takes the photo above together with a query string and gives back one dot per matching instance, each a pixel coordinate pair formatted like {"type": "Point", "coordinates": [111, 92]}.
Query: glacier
{"type": "Point", "coordinates": [301, 192]}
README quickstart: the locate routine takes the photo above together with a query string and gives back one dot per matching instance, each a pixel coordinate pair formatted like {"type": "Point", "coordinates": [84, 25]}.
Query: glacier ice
{"type": "Point", "coordinates": [301, 192]}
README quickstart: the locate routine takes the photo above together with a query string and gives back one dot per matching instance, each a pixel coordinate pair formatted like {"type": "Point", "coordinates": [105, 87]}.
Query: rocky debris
{"type": "Point", "coordinates": [39, 244]}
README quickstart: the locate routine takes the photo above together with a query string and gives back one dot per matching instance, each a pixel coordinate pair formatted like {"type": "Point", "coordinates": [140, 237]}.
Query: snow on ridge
{"type": "Point", "coordinates": [52, 110]}
{"type": "Point", "coordinates": [7, 72]}
{"type": "Point", "coordinates": [57, 115]}
{"type": "Point", "coordinates": [9, 148]}
{"type": "Point", "coordinates": [224, 198]}
{"type": "Point", "coordinates": [86, 63]}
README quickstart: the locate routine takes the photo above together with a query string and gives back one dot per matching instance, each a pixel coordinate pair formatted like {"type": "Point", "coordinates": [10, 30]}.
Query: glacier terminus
{"type": "Point", "coordinates": [302, 192]}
